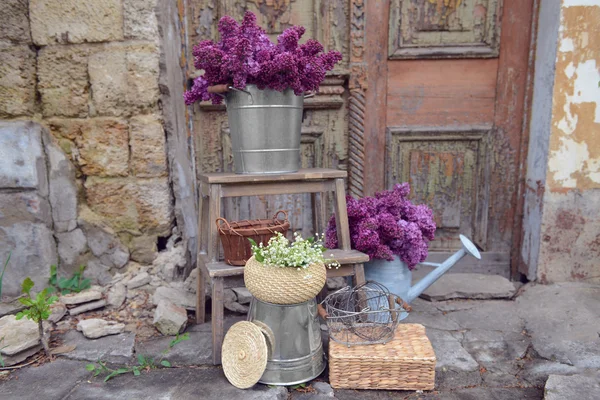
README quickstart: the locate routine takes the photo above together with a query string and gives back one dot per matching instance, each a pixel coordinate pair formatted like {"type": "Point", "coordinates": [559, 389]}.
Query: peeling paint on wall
{"type": "Point", "coordinates": [574, 159]}
{"type": "Point", "coordinates": [570, 226]}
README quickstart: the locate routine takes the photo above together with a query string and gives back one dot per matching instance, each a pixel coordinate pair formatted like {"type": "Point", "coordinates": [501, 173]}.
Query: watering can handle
{"type": "Point", "coordinates": [403, 304]}
{"type": "Point", "coordinates": [218, 88]}
{"type": "Point", "coordinates": [321, 311]}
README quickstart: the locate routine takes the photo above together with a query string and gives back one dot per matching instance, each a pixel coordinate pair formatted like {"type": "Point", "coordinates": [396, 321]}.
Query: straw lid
{"type": "Point", "coordinates": [244, 354]}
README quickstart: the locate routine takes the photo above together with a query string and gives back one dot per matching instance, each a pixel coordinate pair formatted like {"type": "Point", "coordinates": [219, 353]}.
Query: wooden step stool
{"type": "Point", "coordinates": [215, 186]}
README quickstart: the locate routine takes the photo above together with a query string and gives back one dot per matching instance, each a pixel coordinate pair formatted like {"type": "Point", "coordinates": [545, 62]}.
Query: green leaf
{"type": "Point", "coordinates": [252, 242]}
{"type": "Point", "coordinates": [26, 301]}
{"type": "Point", "coordinates": [51, 289]}
{"type": "Point", "coordinates": [141, 359]}
{"type": "Point", "coordinates": [136, 371]}
{"type": "Point", "coordinates": [85, 284]}
{"type": "Point", "coordinates": [259, 257]}
{"type": "Point", "coordinates": [19, 315]}
{"type": "Point", "coordinates": [52, 300]}
{"type": "Point", "coordinates": [179, 339]}
{"type": "Point", "coordinates": [27, 285]}
{"type": "Point", "coordinates": [90, 367]}
{"type": "Point", "coordinates": [165, 363]}
{"type": "Point", "coordinates": [122, 370]}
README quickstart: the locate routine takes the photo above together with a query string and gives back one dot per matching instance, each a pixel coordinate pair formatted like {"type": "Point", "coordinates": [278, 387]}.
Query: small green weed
{"type": "Point", "coordinates": [144, 362]}
{"type": "Point", "coordinates": [2, 347]}
{"type": "Point", "coordinates": [38, 308]}
{"type": "Point", "coordinates": [75, 284]}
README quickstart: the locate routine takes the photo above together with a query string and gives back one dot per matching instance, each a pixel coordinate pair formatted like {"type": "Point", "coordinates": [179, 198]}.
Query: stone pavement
{"type": "Point", "coordinates": [501, 348]}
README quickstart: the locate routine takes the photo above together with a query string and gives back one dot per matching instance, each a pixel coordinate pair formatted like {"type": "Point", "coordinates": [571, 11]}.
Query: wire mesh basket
{"type": "Point", "coordinates": [365, 314]}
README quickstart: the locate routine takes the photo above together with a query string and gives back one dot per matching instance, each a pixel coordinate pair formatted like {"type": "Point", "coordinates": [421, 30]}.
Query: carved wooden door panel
{"type": "Point", "coordinates": [324, 128]}
{"type": "Point", "coordinates": [444, 100]}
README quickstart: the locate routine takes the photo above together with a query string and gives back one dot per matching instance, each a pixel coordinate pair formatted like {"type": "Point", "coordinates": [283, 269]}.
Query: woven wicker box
{"type": "Point", "coordinates": [405, 363]}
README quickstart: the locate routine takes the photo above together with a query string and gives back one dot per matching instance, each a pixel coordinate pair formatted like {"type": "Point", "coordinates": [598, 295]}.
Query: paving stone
{"type": "Point", "coordinates": [175, 383]}
{"type": "Point", "coordinates": [113, 349]}
{"type": "Point", "coordinates": [348, 394]}
{"type": "Point", "coordinates": [563, 322]}
{"type": "Point", "coordinates": [20, 357]}
{"type": "Point", "coordinates": [485, 394]}
{"type": "Point", "coordinates": [492, 346]}
{"type": "Point", "coordinates": [87, 307]}
{"type": "Point", "coordinates": [195, 351]}
{"type": "Point", "coordinates": [81, 297]}
{"type": "Point", "coordinates": [10, 307]}
{"type": "Point", "coordinates": [469, 286]}
{"type": "Point", "coordinates": [492, 315]}
{"type": "Point", "coordinates": [53, 380]}
{"type": "Point", "coordinates": [536, 372]}
{"type": "Point", "coordinates": [95, 328]}
{"type": "Point", "coordinates": [576, 387]}
{"type": "Point", "coordinates": [455, 367]}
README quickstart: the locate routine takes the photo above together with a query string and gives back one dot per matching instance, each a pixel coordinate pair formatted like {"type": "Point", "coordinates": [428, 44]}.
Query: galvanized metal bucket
{"type": "Point", "coordinates": [265, 130]}
{"type": "Point", "coordinates": [294, 339]}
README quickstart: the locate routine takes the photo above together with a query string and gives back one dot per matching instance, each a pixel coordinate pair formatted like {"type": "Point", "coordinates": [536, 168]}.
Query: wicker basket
{"type": "Point", "coordinates": [405, 363]}
{"type": "Point", "coordinates": [235, 235]}
{"type": "Point", "coordinates": [284, 285]}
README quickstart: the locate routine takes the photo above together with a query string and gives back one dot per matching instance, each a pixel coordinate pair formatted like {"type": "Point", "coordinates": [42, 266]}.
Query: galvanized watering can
{"type": "Point", "coordinates": [396, 276]}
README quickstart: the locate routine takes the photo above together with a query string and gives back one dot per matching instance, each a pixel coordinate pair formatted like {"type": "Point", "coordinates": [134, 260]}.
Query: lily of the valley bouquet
{"type": "Point", "coordinates": [284, 272]}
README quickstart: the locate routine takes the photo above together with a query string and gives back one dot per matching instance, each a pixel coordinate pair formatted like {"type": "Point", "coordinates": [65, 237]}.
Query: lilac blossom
{"type": "Point", "coordinates": [387, 225]}
{"type": "Point", "coordinates": [245, 55]}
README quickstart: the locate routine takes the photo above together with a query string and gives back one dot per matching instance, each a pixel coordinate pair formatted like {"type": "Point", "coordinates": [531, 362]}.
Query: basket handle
{"type": "Point", "coordinates": [403, 304]}
{"type": "Point", "coordinates": [218, 89]}
{"type": "Point", "coordinates": [321, 310]}
{"type": "Point", "coordinates": [220, 221]}
{"type": "Point", "coordinates": [276, 216]}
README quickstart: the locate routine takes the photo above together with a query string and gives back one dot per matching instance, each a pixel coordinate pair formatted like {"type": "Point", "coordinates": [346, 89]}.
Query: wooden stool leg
{"type": "Point", "coordinates": [200, 297]}
{"type": "Point", "coordinates": [341, 215]}
{"type": "Point", "coordinates": [319, 212]}
{"type": "Point", "coordinates": [359, 274]}
{"type": "Point", "coordinates": [217, 319]}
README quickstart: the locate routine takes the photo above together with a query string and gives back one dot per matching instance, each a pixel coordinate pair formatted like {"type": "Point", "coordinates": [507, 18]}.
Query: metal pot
{"type": "Point", "coordinates": [294, 339]}
{"type": "Point", "coordinates": [265, 129]}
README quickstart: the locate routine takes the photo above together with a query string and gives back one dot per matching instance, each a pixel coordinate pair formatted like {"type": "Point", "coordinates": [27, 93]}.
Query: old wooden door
{"type": "Point", "coordinates": [441, 87]}
{"type": "Point", "coordinates": [324, 128]}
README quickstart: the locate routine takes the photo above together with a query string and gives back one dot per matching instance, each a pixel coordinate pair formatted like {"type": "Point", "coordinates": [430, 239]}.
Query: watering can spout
{"type": "Point", "coordinates": [440, 269]}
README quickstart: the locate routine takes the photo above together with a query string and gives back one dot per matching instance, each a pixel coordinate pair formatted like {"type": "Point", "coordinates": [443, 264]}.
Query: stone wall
{"type": "Point", "coordinates": [569, 242]}
{"type": "Point", "coordinates": [84, 166]}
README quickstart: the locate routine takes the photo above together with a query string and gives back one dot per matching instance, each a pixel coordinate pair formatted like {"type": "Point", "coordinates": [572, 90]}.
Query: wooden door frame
{"type": "Point", "coordinates": [368, 97]}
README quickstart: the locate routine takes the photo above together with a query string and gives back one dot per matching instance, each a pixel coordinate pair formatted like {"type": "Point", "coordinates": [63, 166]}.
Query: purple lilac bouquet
{"type": "Point", "coordinates": [386, 225]}
{"type": "Point", "coordinates": [245, 55]}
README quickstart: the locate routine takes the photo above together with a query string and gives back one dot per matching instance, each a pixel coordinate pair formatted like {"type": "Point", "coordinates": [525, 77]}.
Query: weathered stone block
{"type": "Point", "coordinates": [104, 148]}
{"type": "Point", "coordinates": [63, 190]}
{"type": "Point", "coordinates": [33, 251]}
{"type": "Point", "coordinates": [148, 153]}
{"type": "Point", "coordinates": [24, 207]}
{"type": "Point", "coordinates": [75, 21]}
{"type": "Point", "coordinates": [124, 79]}
{"type": "Point", "coordinates": [143, 249]}
{"type": "Point", "coordinates": [169, 318]}
{"type": "Point", "coordinates": [22, 160]}
{"type": "Point", "coordinates": [81, 297]}
{"type": "Point", "coordinates": [104, 244]}
{"type": "Point", "coordinates": [95, 328]}
{"type": "Point", "coordinates": [14, 21]}
{"type": "Point", "coordinates": [19, 335]}
{"type": "Point", "coordinates": [71, 245]}
{"type": "Point", "coordinates": [63, 80]}
{"type": "Point", "coordinates": [17, 80]}
{"type": "Point", "coordinates": [132, 205]}
{"type": "Point", "coordinates": [140, 19]}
